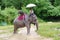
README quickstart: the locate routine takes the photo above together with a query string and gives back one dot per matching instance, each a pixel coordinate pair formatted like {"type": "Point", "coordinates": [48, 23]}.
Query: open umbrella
{"type": "Point", "coordinates": [30, 5]}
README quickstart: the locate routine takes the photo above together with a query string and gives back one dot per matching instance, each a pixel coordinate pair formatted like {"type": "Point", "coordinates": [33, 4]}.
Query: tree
{"type": "Point", "coordinates": [52, 1]}
{"type": "Point", "coordinates": [57, 2]}
{"type": "Point", "coordinates": [8, 15]}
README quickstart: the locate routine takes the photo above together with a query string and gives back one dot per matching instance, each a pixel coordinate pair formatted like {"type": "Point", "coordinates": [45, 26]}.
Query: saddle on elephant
{"type": "Point", "coordinates": [21, 17]}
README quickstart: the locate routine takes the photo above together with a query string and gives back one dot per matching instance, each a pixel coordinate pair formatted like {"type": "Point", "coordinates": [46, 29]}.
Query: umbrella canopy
{"type": "Point", "coordinates": [30, 5]}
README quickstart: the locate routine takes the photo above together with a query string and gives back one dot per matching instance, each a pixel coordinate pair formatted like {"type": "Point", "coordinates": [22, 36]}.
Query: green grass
{"type": "Point", "coordinates": [45, 29]}
{"type": "Point", "coordinates": [6, 29]}
{"type": "Point", "coordinates": [48, 30]}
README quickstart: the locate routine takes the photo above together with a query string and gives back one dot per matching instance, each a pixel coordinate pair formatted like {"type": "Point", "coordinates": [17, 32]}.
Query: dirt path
{"type": "Point", "coordinates": [32, 36]}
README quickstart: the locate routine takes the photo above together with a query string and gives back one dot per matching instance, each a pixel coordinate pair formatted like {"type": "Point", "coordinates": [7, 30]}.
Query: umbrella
{"type": "Point", "coordinates": [30, 5]}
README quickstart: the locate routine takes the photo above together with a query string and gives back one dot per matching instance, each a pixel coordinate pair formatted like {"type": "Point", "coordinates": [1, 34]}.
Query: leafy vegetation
{"type": "Point", "coordinates": [8, 15]}
{"type": "Point", "coordinates": [44, 9]}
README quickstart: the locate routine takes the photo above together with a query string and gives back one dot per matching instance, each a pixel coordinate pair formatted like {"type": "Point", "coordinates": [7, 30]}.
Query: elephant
{"type": "Point", "coordinates": [28, 20]}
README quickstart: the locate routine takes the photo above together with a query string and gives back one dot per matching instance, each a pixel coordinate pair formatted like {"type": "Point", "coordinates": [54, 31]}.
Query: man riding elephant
{"type": "Point", "coordinates": [25, 20]}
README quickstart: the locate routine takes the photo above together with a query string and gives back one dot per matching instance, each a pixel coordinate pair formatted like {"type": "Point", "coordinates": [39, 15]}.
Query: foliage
{"type": "Point", "coordinates": [43, 9]}
{"type": "Point", "coordinates": [57, 3]}
{"type": "Point", "coordinates": [8, 3]}
{"type": "Point", "coordinates": [8, 14]}
{"type": "Point", "coordinates": [54, 12]}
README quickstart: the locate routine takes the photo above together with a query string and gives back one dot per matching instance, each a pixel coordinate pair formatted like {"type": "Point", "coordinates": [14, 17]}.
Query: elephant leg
{"type": "Point", "coordinates": [28, 29]}
{"type": "Point", "coordinates": [36, 26]}
{"type": "Point", "coordinates": [15, 29]}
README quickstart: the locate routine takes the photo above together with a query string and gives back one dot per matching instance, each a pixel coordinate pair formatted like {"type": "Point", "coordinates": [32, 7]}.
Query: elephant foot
{"type": "Point", "coordinates": [14, 32]}
{"type": "Point", "coordinates": [28, 33]}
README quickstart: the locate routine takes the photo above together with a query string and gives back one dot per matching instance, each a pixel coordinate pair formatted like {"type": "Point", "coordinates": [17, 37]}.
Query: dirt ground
{"type": "Point", "coordinates": [22, 35]}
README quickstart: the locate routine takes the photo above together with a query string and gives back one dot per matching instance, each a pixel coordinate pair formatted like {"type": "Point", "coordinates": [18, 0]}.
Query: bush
{"type": "Point", "coordinates": [54, 12]}
{"type": "Point", "coordinates": [8, 14]}
{"type": "Point", "coordinates": [57, 3]}
{"type": "Point", "coordinates": [43, 9]}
